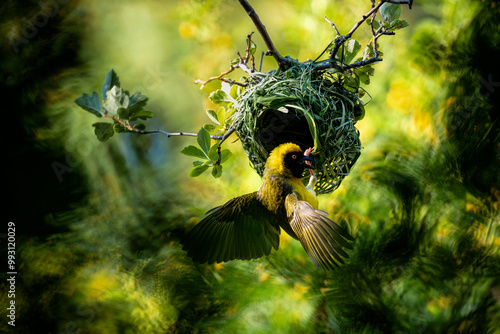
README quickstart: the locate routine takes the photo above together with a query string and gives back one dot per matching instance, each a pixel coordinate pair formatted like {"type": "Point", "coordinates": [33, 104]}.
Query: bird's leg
{"type": "Point", "coordinates": [313, 179]}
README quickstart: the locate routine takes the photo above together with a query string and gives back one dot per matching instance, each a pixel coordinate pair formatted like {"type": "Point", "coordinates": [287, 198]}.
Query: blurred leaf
{"type": "Point", "coordinates": [197, 170]}
{"type": "Point", "coordinates": [252, 48]}
{"type": "Point", "coordinates": [364, 73]}
{"type": "Point", "coordinates": [213, 116]}
{"type": "Point", "coordinates": [90, 103]}
{"type": "Point", "coordinates": [139, 126]}
{"type": "Point", "coordinates": [194, 151]}
{"type": "Point", "coordinates": [235, 91]}
{"type": "Point", "coordinates": [209, 127]}
{"type": "Point", "coordinates": [116, 98]}
{"type": "Point", "coordinates": [142, 114]}
{"type": "Point", "coordinates": [203, 139]}
{"type": "Point", "coordinates": [399, 24]}
{"type": "Point", "coordinates": [137, 102]}
{"type": "Point", "coordinates": [351, 48]}
{"type": "Point", "coordinates": [122, 113]}
{"type": "Point", "coordinates": [390, 12]}
{"type": "Point", "coordinates": [212, 153]}
{"type": "Point", "coordinates": [119, 128]}
{"type": "Point", "coordinates": [217, 171]}
{"type": "Point", "coordinates": [368, 53]}
{"type": "Point", "coordinates": [376, 24]}
{"type": "Point", "coordinates": [221, 115]}
{"type": "Point", "coordinates": [221, 97]}
{"type": "Point", "coordinates": [225, 155]}
{"type": "Point", "coordinates": [110, 81]}
{"type": "Point", "coordinates": [103, 131]}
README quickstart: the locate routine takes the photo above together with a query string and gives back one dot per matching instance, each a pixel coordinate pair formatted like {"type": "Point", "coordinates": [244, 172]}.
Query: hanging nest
{"type": "Point", "coordinates": [308, 107]}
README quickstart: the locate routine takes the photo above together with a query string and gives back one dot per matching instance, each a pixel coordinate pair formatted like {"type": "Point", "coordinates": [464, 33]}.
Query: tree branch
{"type": "Point", "coordinates": [144, 132]}
{"type": "Point", "coordinates": [271, 50]}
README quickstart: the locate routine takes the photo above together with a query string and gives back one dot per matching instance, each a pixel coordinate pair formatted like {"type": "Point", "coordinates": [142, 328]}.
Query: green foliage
{"type": "Point", "coordinates": [207, 153]}
{"type": "Point", "coordinates": [90, 103]}
{"type": "Point", "coordinates": [118, 105]}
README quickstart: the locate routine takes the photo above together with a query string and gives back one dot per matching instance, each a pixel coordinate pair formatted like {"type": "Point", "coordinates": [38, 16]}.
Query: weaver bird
{"type": "Point", "coordinates": [248, 226]}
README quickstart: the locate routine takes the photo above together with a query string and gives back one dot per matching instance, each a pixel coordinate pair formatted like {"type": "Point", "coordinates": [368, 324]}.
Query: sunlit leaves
{"type": "Point", "coordinates": [203, 139]}
{"type": "Point", "coordinates": [194, 151]}
{"type": "Point", "coordinates": [350, 50]}
{"type": "Point", "coordinates": [209, 155]}
{"type": "Point", "coordinates": [221, 97]}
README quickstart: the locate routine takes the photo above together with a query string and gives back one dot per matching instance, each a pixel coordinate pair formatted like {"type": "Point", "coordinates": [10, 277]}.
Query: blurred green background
{"type": "Point", "coordinates": [98, 224]}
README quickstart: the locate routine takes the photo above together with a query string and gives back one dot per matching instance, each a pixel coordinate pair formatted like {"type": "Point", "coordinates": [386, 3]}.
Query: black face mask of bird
{"type": "Point", "coordinates": [249, 226]}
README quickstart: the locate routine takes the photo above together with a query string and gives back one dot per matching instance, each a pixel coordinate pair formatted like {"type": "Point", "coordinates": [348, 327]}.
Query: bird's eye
{"type": "Point", "coordinates": [294, 156]}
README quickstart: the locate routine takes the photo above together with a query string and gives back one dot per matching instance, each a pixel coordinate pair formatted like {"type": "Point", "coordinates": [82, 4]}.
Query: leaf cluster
{"type": "Point", "coordinates": [124, 109]}
{"type": "Point", "coordinates": [221, 119]}
{"type": "Point", "coordinates": [356, 69]}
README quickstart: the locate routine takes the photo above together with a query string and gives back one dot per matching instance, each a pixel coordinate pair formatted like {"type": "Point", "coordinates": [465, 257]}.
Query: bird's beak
{"type": "Point", "coordinates": [304, 160]}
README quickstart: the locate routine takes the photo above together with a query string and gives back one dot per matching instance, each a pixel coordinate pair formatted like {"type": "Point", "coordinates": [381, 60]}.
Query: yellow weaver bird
{"type": "Point", "coordinates": [248, 226]}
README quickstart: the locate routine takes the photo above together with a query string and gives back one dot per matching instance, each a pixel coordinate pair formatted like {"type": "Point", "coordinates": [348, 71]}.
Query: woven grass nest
{"type": "Point", "coordinates": [305, 106]}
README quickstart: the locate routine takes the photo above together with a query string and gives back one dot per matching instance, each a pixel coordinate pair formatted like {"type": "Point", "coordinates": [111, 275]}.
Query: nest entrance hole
{"type": "Point", "coordinates": [283, 126]}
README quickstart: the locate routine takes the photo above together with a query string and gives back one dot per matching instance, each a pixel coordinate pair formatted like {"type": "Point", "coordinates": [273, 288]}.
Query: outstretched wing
{"type": "Point", "coordinates": [241, 229]}
{"type": "Point", "coordinates": [321, 238]}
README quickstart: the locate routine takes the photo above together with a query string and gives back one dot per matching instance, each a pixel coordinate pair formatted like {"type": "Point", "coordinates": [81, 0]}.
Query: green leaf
{"type": "Point", "coordinates": [364, 73]}
{"type": "Point", "coordinates": [139, 126]}
{"type": "Point", "coordinates": [390, 12]}
{"type": "Point", "coordinates": [351, 48]}
{"type": "Point", "coordinates": [225, 155]}
{"type": "Point", "coordinates": [221, 115]}
{"type": "Point", "coordinates": [197, 170]}
{"type": "Point", "coordinates": [194, 151]}
{"type": "Point", "coordinates": [90, 103]}
{"type": "Point", "coordinates": [209, 127]}
{"type": "Point", "coordinates": [235, 91]}
{"type": "Point", "coordinates": [119, 128]}
{"type": "Point", "coordinates": [376, 24]}
{"type": "Point", "coordinates": [213, 116]}
{"type": "Point", "coordinates": [203, 139]}
{"type": "Point", "coordinates": [399, 24]}
{"type": "Point", "coordinates": [220, 97]}
{"type": "Point", "coordinates": [252, 48]}
{"type": "Point", "coordinates": [123, 113]}
{"type": "Point", "coordinates": [213, 155]}
{"type": "Point", "coordinates": [142, 114]}
{"type": "Point", "coordinates": [116, 98]}
{"type": "Point", "coordinates": [110, 81]}
{"type": "Point", "coordinates": [103, 131]}
{"type": "Point", "coordinates": [137, 102]}
{"type": "Point", "coordinates": [217, 171]}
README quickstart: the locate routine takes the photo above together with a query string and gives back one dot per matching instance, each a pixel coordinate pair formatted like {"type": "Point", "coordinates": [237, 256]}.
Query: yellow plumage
{"type": "Point", "coordinates": [248, 226]}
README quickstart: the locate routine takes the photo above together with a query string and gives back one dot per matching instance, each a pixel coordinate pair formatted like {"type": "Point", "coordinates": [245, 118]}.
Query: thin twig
{"type": "Point", "coordinates": [334, 26]}
{"type": "Point", "coordinates": [144, 132]}
{"type": "Point", "coordinates": [221, 77]}
{"type": "Point", "coordinates": [271, 50]}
